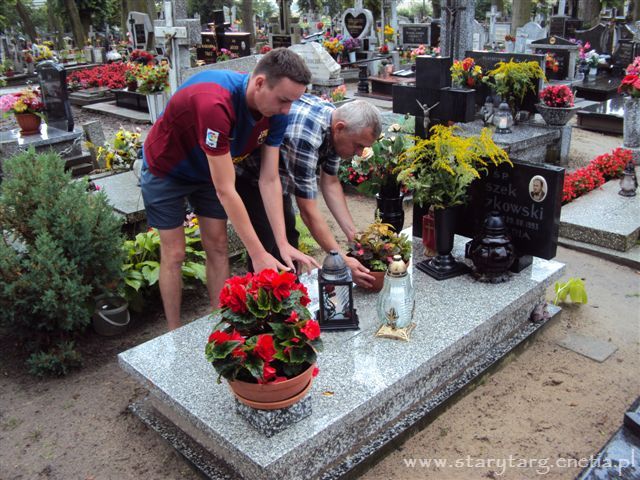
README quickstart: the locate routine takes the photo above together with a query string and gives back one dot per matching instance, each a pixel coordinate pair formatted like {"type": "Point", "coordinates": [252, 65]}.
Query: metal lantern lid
{"type": "Point", "coordinates": [494, 224]}
{"type": "Point", "coordinates": [397, 268]}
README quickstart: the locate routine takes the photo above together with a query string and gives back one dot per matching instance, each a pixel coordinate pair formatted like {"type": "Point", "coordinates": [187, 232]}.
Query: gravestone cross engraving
{"type": "Point", "coordinates": [53, 85]}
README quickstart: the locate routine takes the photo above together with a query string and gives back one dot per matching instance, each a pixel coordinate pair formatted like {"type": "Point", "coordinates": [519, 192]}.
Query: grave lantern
{"type": "Point", "coordinates": [396, 302]}
{"type": "Point", "coordinates": [628, 182]}
{"type": "Point", "coordinates": [502, 119]}
{"type": "Point", "coordinates": [335, 292]}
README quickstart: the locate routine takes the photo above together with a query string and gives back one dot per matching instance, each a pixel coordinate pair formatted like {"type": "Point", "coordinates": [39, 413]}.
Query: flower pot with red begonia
{"type": "Point", "coordinates": [557, 105]}
{"type": "Point", "coordinates": [264, 339]}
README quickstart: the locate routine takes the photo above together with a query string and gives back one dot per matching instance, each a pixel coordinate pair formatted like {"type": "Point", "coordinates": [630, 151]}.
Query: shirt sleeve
{"type": "Point", "coordinates": [214, 121]}
{"type": "Point", "coordinates": [331, 165]}
{"type": "Point", "coordinates": [277, 127]}
{"type": "Point", "coordinates": [302, 161]}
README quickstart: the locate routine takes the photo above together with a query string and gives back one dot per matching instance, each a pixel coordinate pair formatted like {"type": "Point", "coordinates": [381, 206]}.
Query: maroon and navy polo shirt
{"type": "Point", "coordinates": [208, 115]}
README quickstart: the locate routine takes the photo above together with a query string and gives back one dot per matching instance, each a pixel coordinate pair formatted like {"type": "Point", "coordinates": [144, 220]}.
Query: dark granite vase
{"type": "Point", "coordinates": [556, 116]}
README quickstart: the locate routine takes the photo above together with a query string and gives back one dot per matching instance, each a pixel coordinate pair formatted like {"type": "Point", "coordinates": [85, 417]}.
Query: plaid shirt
{"type": "Point", "coordinates": [306, 144]}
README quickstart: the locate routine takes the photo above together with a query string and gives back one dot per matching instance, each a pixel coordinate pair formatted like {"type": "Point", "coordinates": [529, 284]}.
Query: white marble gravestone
{"type": "Point", "coordinates": [322, 66]}
{"type": "Point", "coordinates": [479, 36]}
{"type": "Point", "coordinates": [529, 32]}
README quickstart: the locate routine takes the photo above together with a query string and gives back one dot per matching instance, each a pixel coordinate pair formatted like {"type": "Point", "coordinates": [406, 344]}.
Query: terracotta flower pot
{"type": "Point", "coordinates": [271, 396]}
{"type": "Point", "coordinates": [377, 283]}
{"type": "Point", "coordinates": [29, 123]}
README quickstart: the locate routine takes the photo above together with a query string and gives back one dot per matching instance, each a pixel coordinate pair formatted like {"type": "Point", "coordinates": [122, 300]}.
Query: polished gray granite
{"type": "Point", "coordinates": [527, 141]}
{"type": "Point", "coordinates": [124, 195]}
{"type": "Point", "coordinates": [603, 218]}
{"type": "Point", "coordinates": [373, 382]}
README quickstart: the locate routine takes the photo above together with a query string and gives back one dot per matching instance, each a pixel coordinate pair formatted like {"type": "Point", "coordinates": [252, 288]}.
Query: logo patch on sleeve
{"type": "Point", "coordinates": [212, 138]}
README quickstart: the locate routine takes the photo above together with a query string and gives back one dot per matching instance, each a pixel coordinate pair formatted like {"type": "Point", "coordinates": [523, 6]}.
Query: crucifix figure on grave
{"type": "Point", "coordinates": [452, 8]}
{"type": "Point", "coordinates": [426, 118]}
{"type": "Point", "coordinates": [492, 16]}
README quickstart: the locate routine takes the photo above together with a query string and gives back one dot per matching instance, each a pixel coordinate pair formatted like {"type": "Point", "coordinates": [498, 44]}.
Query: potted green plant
{"type": "Point", "coordinates": [375, 247]}
{"type": "Point", "coordinates": [439, 172]}
{"type": "Point", "coordinates": [513, 80]}
{"type": "Point", "coordinates": [265, 342]}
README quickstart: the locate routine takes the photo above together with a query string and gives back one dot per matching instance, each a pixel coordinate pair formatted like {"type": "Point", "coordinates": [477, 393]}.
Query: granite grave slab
{"type": "Point", "coordinates": [602, 217]}
{"type": "Point", "coordinates": [605, 117]}
{"type": "Point", "coordinates": [377, 385]}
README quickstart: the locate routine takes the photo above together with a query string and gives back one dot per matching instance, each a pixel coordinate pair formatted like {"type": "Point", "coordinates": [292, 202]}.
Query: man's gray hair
{"type": "Point", "coordinates": [359, 115]}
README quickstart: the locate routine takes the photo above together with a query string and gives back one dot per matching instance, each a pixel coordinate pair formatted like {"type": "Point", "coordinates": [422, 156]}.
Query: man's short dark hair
{"type": "Point", "coordinates": [283, 63]}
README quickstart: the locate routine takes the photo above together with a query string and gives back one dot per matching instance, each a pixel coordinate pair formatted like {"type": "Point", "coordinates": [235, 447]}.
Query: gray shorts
{"type": "Point", "coordinates": [165, 200]}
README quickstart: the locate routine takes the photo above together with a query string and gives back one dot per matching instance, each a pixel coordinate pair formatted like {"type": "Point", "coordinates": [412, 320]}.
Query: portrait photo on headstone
{"type": "Point", "coordinates": [538, 188]}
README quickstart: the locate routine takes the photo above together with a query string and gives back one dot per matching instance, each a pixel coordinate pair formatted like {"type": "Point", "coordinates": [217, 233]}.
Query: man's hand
{"type": "Point", "coordinates": [291, 254]}
{"type": "Point", "coordinates": [266, 260]}
{"type": "Point", "coordinates": [359, 273]}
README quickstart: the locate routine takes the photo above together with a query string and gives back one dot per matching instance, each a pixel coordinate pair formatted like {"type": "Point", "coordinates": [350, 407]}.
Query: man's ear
{"type": "Point", "coordinates": [340, 126]}
{"type": "Point", "coordinates": [259, 81]}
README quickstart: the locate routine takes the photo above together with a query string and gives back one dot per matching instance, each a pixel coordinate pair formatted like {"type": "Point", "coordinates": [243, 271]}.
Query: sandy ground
{"type": "Point", "coordinates": [546, 407]}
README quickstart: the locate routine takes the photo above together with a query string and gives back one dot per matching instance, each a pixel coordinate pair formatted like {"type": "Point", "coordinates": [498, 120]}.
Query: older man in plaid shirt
{"type": "Point", "coordinates": [318, 135]}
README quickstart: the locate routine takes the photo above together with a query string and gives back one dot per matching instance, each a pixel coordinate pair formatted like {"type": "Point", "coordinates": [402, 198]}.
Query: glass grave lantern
{"type": "Point", "coordinates": [396, 302]}
{"type": "Point", "coordinates": [502, 119]}
{"type": "Point", "coordinates": [628, 182]}
{"type": "Point", "coordinates": [335, 293]}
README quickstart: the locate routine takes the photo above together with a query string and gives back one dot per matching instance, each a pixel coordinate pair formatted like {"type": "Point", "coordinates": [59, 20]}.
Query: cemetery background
{"type": "Point", "coordinates": [545, 401]}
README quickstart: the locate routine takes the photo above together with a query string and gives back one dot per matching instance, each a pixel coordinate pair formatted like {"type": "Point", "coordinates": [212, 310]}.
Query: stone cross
{"type": "Point", "coordinates": [394, 16]}
{"type": "Point", "coordinates": [492, 16]}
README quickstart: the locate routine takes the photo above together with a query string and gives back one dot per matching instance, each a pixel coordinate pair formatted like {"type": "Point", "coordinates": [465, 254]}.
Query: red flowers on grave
{"type": "Point", "coordinates": [557, 96]}
{"type": "Point", "coordinates": [265, 333]}
{"type": "Point", "coordinates": [631, 82]}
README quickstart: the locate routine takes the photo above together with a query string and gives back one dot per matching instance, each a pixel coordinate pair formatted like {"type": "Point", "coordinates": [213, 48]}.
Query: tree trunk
{"type": "Point", "coordinates": [25, 18]}
{"type": "Point", "coordinates": [521, 14]}
{"type": "Point", "coordinates": [437, 9]}
{"type": "Point", "coordinates": [79, 35]}
{"type": "Point", "coordinates": [247, 20]}
{"type": "Point", "coordinates": [55, 25]}
{"type": "Point", "coordinates": [589, 12]}
{"type": "Point", "coordinates": [635, 10]}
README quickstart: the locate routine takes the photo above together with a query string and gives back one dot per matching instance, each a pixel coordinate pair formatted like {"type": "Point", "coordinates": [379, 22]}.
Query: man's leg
{"type": "Point", "coordinates": [172, 252]}
{"type": "Point", "coordinates": [213, 233]}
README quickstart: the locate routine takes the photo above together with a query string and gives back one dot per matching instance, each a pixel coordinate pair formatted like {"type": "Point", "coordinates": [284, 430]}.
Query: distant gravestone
{"type": "Point", "coordinates": [357, 22]}
{"type": "Point", "coordinates": [140, 27]}
{"type": "Point", "coordinates": [600, 37]}
{"type": "Point", "coordinates": [531, 32]}
{"type": "Point", "coordinates": [53, 85]}
{"type": "Point", "coordinates": [278, 41]}
{"type": "Point", "coordinates": [502, 30]}
{"type": "Point", "coordinates": [414, 34]}
{"type": "Point", "coordinates": [564, 52]}
{"type": "Point", "coordinates": [625, 52]}
{"type": "Point", "coordinates": [479, 36]}
{"type": "Point", "coordinates": [533, 221]}
{"type": "Point", "coordinates": [321, 64]}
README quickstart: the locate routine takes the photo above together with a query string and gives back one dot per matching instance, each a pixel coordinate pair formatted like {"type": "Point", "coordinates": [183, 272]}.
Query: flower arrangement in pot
{"type": "Point", "coordinates": [27, 107]}
{"type": "Point", "coordinates": [513, 80]}
{"type": "Point", "coordinates": [265, 343]}
{"type": "Point", "coordinates": [630, 84]}
{"type": "Point", "coordinates": [557, 106]}
{"type": "Point", "coordinates": [439, 172]}
{"type": "Point", "coordinates": [465, 73]}
{"type": "Point", "coordinates": [375, 247]}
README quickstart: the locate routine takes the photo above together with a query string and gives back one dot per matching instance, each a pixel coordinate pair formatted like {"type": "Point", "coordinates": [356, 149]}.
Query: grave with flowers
{"type": "Point", "coordinates": [369, 392]}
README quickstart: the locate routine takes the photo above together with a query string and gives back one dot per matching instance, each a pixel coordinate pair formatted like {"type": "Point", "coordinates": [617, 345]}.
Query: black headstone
{"type": "Point", "coordinates": [533, 221]}
{"type": "Point", "coordinates": [280, 41]}
{"type": "Point", "coordinates": [53, 85]}
{"type": "Point", "coordinates": [599, 37]}
{"type": "Point", "coordinates": [414, 34]}
{"type": "Point", "coordinates": [489, 60]}
{"type": "Point", "coordinates": [556, 26]}
{"type": "Point", "coordinates": [435, 33]}
{"type": "Point", "coordinates": [625, 53]}
{"type": "Point", "coordinates": [561, 56]}
{"type": "Point", "coordinates": [238, 43]}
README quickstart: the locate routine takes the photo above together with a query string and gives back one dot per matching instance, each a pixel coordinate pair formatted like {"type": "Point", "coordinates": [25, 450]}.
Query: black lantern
{"type": "Point", "coordinates": [492, 252]}
{"type": "Point", "coordinates": [335, 292]}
